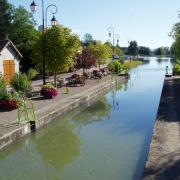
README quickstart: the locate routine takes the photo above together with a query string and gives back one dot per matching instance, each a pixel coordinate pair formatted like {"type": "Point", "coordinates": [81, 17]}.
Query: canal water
{"type": "Point", "coordinates": [107, 140]}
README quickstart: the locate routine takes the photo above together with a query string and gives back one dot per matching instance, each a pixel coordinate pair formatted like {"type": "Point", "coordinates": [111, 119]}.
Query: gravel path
{"type": "Point", "coordinates": [164, 156]}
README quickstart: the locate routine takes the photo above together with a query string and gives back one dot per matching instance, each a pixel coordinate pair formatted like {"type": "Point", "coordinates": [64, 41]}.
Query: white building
{"type": "Point", "coordinates": [9, 59]}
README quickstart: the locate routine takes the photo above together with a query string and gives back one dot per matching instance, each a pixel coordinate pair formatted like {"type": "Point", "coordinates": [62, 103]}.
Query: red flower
{"type": "Point", "coordinates": [48, 92]}
{"type": "Point", "coordinates": [8, 104]}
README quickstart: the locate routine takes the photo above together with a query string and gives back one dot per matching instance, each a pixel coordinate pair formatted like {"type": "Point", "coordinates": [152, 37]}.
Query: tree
{"type": "Point", "coordinates": [118, 51]}
{"type": "Point", "coordinates": [5, 18]}
{"type": "Point", "coordinates": [176, 49]}
{"type": "Point", "coordinates": [133, 48]}
{"type": "Point", "coordinates": [23, 34]}
{"type": "Point", "coordinates": [144, 51]}
{"type": "Point", "coordinates": [88, 39]}
{"type": "Point", "coordinates": [85, 59]}
{"type": "Point", "coordinates": [175, 34]}
{"type": "Point", "coordinates": [160, 51]}
{"type": "Point", "coordinates": [101, 53]}
{"type": "Point", "coordinates": [61, 47]}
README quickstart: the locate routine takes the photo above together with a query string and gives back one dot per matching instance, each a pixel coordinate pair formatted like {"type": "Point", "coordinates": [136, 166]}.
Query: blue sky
{"type": "Point", "coordinates": [146, 21]}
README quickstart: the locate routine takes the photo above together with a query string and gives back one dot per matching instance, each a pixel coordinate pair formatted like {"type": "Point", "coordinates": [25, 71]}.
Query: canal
{"type": "Point", "coordinates": [106, 140]}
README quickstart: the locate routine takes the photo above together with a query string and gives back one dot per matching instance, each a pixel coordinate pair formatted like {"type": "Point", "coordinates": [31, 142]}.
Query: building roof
{"type": "Point", "coordinates": [5, 43]}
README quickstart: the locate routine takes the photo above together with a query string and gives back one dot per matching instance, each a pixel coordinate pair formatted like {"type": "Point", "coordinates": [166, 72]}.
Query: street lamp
{"type": "Point", "coordinates": [114, 38]}
{"type": "Point", "coordinates": [53, 20]}
{"type": "Point", "coordinates": [53, 23]}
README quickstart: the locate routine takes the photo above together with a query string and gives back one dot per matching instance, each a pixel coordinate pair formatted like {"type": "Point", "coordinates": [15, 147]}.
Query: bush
{"type": "Point", "coordinates": [176, 69]}
{"type": "Point", "coordinates": [32, 73]}
{"type": "Point", "coordinates": [48, 91]}
{"type": "Point", "coordinates": [20, 83]}
{"type": "Point", "coordinates": [117, 67]}
{"type": "Point", "coordinates": [8, 101]}
{"type": "Point", "coordinates": [2, 85]}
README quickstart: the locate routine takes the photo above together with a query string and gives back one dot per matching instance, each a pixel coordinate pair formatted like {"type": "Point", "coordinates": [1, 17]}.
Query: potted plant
{"type": "Point", "coordinates": [48, 91]}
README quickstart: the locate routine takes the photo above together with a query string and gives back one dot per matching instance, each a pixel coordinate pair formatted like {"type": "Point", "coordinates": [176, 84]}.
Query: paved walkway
{"type": "Point", "coordinates": [65, 75]}
{"type": "Point", "coordinates": [9, 122]}
{"type": "Point", "coordinates": [164, 156]}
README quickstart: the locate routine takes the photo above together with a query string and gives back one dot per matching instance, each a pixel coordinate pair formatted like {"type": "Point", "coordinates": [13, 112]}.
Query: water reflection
{"type": "Point", "coordinates": [59, 145]}
{"type": "Point", "coordinates": [96, 112]}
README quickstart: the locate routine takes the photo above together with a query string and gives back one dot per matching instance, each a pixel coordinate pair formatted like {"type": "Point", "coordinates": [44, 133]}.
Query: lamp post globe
{"type": "Point", "coordinates": [33, 6]}
{"type": "Point", "coordinates": [53, 21]}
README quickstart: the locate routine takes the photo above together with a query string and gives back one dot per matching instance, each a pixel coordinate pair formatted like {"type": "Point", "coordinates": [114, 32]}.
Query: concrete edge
{"type": "Point", "coordinates": [85, 97]}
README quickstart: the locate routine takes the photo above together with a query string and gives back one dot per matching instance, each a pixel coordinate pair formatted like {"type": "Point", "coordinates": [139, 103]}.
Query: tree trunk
{"type": "Point", "coordinates": [55, 78]}
{"type": "Point", "coordinates": [99, 65]}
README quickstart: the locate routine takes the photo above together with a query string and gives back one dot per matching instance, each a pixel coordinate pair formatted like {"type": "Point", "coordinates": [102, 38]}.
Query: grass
{"type": "Point", "coordinates": [133, 63]}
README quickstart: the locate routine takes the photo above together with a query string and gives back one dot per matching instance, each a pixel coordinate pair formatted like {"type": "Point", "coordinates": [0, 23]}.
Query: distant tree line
{"type": "Point", "coordinates": [134, 50]}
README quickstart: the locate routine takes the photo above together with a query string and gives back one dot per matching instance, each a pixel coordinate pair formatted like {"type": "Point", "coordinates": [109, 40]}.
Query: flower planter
{"type": "Point", "coordinates": [8, 105]}
{"type": "Point", "coordinates": [48, 92]}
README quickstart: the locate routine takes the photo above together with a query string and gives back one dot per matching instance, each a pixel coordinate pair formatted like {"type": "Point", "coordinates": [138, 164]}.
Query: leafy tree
{"type": "Point", "coordinates": [175, 33]}
{"type": "Point", "coordinates": [145, 51]}
{"type": "Point", "coordinates": [133, 48]}
{"type": "Point", "coordinates": [101, 53]}
{"type": "Point", "coordinates": [160, 51]}
{"type": "Point", "coordinates": [23, 34]}
{"type": "Point", "coordinates": [88, 39]}
{"type": "Point", "coordinates": [5, 18]}
{"type": "Point", "coordinates": [108, 44]}
{"type": "Point", "coordinates": [176, 49]}
{"type": "Point", "coordinates": [118, 51]}
{"type": "Point", "coordinates": [61, 47]}
{"type": "Point", "coordinates": [85, 59]}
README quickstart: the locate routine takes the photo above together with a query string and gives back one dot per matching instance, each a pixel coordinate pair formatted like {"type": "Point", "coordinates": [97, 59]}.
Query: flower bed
{"type": "Point", "coordinates": [9, 101]}
{"type": "Point", "coordinates": [8, 105]}
{"type": "Point", "coordinates": [48, 91]}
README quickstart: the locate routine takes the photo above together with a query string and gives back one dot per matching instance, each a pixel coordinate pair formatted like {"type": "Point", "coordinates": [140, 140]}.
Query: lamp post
{"type": "Point", "coordinates": [53, 22]}
{"type": "Point", "coordinates": [114, 38]}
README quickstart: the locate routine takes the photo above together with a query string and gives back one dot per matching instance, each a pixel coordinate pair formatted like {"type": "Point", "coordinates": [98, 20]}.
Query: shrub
{"type": "Point", "coordinates": [117, 67]}
{"type": "Point", "coordinates": [2, 85]}
{"type": "Point", "coordinates": [176, 69]}
{"type": "Point", "coordinates": [8, 101]}
{"type": "Point", "coordinates": [48, 91]}
{"type": "Point", "coordinates": [32, 73]}
{"type": "Point", "coordinates": [20, 83]}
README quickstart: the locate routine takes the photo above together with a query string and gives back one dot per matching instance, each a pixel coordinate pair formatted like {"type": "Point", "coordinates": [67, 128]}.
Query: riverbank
{"type": "Point", "coordinates": [133, 63]}
{"type": "Point", "coordinates": [164, 155]}
{"type": "Point", "coordinates": [47, 110]}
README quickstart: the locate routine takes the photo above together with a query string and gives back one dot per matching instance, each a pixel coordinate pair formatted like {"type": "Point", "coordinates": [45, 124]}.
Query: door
{"type": "Point", "coordinates": [9, 69]}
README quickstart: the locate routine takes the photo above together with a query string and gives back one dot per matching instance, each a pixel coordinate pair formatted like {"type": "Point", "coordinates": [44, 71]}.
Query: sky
{"type": "Point", "coordinates": [149, 22]}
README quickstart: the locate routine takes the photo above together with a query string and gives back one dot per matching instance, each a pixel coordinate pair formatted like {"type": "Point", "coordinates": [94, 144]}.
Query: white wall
{"type": "Point", "coordinates": [7, 54]}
